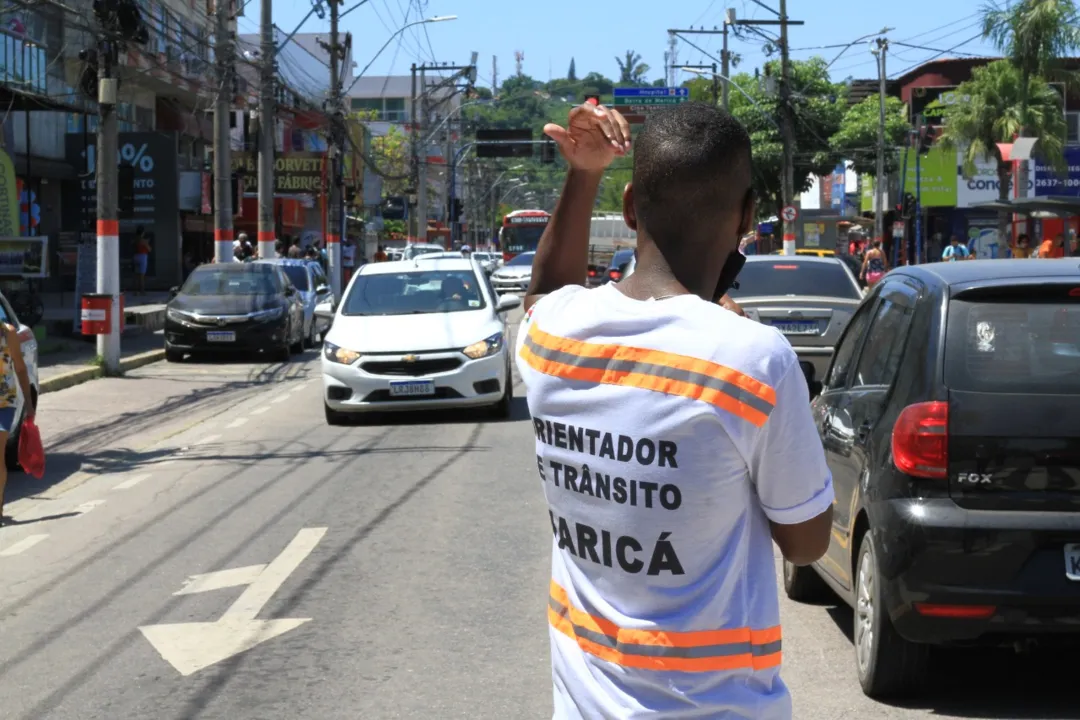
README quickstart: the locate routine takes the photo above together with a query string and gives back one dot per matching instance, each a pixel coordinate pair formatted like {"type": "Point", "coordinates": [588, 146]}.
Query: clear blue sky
{"type": "Point", "coordinates": [594, 32]}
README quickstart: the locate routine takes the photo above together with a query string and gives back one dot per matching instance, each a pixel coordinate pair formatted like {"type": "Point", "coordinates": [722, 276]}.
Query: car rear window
{"type": "Point", "coordinates": [790, 276]}
{"type": "Point", "coordinates": [1014, 345]}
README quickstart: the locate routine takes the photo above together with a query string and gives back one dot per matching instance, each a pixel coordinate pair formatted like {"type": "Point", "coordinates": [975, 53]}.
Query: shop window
{"type": "Point", "coordinates": [366, 104]}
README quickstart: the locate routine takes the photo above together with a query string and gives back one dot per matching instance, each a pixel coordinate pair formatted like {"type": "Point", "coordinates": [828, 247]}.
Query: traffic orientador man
{"type": "Point", "coordinates": [673, 437]}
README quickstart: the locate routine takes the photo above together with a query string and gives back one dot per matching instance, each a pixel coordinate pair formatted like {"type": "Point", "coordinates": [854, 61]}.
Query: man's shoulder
{"type": "Point", "coordinates": [738, 342]}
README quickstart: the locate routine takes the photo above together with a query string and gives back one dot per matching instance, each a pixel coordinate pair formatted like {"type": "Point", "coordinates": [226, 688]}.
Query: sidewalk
{"type": "Point", "coordinates": [146, 311]}
{"type": "Point", "coordinates": [71, 361]}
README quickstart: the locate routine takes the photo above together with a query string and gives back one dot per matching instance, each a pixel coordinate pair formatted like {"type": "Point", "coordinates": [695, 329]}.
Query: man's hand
{"type": "Point", "coordinates": [728, 304]}
{"type": "Point", "coordinates": [594, 137]}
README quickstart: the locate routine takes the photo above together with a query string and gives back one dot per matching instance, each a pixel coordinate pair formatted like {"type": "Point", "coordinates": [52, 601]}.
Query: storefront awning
{"type": "Point", "coordinates": [1053, 204]}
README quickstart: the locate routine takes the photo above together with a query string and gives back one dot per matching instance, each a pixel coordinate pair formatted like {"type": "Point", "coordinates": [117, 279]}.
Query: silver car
{"type": "Point", "coordinates": [488, 260]}
{"type": "Point", "coordinates": [313, 288]}
{"type": "Point", "coordinates": [515, 275]}
{"type": "Point", "coordinates": [808, 299]}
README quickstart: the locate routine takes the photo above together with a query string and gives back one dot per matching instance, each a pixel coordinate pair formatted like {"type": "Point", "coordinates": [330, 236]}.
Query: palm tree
{"type": "Point", "coordinates": [1034, 35]}
{"type": "Point", "coordinates": [631, 70]}
{"type": "Point", "coordinates": [1000, 97]}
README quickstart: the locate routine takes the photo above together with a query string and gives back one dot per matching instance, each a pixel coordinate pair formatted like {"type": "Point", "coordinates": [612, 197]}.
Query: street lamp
{"type": "Point", "coordinates": [755, 103]}
{"type": "Point", "coordinates": [399, 31]}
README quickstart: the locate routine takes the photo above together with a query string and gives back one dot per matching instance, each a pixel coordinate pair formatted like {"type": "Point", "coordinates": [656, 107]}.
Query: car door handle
{"type": "Point", "coordinates": [863, 431]}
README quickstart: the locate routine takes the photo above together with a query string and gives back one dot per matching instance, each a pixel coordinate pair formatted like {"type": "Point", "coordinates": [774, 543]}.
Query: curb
{"type": "Point", "coordinates": [78, 377]}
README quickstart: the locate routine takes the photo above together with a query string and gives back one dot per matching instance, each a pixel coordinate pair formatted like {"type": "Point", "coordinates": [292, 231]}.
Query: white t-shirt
{"type": "Point", "coordinates": [668, 434]}
{"type": "Point", "coordinates": [348, 255]}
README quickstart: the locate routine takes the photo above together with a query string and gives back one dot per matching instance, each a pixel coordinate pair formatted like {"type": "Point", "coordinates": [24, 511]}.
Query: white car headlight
{"type": "Point", "coordinates": [485, 347]}
{"type": "Point", "coordinates": [340, 355]}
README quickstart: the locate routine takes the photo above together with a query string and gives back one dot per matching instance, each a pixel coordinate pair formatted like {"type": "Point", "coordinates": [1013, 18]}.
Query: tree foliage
{"type": "Point", "coordinates": [857, 138]}
{"type": "Point", "coordinates": [632, 70]}
{"type": "Point", "coordinates": [818, 107]}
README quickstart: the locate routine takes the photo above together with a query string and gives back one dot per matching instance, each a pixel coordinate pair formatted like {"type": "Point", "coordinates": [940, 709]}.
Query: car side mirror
{"type": "Point", "coordinates": [322, 289]}
{"type": "Point", "coordinates": [174, 291]}
{"type": "Point", "coordinates": [290, 291]}
{"type": "Point", "coordinates": [816, 387]}
{"type": "Point", "coordinates": [325, 311]}
{"type": "Point", "coordinates": [507, 302]}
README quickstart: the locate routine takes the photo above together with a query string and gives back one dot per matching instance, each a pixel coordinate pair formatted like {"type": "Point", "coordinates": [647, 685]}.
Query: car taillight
{"type": "Point", "coordinates": [592, 273]}
{"type": "Point", "coordinates": [920, 440]}
{"type": "Point", "coordinates": [615, 274]}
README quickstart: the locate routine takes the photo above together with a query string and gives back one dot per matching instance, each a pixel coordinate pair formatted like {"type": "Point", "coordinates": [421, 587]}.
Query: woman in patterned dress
{"type": "Point", "coordinates": [12, 371]}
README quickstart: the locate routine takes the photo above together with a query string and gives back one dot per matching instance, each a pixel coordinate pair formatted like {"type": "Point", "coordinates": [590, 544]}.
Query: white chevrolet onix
{"type": "Point", "coordinates": [414, 335]}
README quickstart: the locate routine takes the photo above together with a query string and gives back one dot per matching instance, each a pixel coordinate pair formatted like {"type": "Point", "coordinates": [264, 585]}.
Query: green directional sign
{"type": "Point", "coordinates": [667, 100]}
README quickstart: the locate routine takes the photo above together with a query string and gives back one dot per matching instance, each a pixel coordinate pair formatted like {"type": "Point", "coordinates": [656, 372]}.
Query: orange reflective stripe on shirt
{"type": "Point", "coordinates": [664, 372]}
{"type": "Point", "coordinates": [701, 651]}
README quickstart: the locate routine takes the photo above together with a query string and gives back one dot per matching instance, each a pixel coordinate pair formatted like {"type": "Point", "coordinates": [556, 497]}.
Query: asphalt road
{"type": "Point", "coordinates": [391, 570]}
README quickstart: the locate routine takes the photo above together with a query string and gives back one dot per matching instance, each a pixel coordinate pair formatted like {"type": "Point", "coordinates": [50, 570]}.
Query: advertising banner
{"type": "Point", "coordinates": [937, 178]}
{"type": "Point", "coordinates": [983, 185]}
{"type": "Point", "coordinates": [1047, 182]}
{"type": "Point", "coordinates": [9, 197]}
{"type": "Point", "coordinates": [839, 185]}
{"type": "Point", "coordinates": [24, 256]}
{"type": "Point", "coordinates": [297, 173]}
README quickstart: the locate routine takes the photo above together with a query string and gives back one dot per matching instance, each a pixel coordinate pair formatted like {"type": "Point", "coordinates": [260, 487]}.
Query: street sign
{"type": "Point", "coordinates": [190, 647]}
{"type": "Point", "coordinates": [652, 101]}
{"type": "Point", "coordinates": [638, 109]}
{"type": "Point", "coordinates": [789, 213]}
{"type": "Point", "coordinates": [642, 92]}
{"type": "Point", "coordinates": [634, 119]}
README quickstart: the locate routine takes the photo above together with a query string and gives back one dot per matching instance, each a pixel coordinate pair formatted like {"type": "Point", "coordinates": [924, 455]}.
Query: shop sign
{"type": "Point", "coordinates": [983, 184]}
{"type": "Point", "coordinates": [1048, 182]}
{"type": "Point", "coordinates": [298, 173]}
{"type": "Point", "coordinates": [937, 178]}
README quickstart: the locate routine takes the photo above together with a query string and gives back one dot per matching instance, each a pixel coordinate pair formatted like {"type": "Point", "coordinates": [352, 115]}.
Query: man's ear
{"type": "Point", "coordinates": [746, 223]}
{"type": "Point", "coordinates": [629, 214]}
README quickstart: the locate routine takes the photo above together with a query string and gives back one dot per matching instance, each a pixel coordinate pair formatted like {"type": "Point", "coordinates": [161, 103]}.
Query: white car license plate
{"type": "Point", "coordinates": [412, 388]}
{"type": "Point", "coordinates": [1072, 561]}
{"type": "Point", "coordinates": [220, 336]}
{"type": "Point", "coordinates": [796, 328]}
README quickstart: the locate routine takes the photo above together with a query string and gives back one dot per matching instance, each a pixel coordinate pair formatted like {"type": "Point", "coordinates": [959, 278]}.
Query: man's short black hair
{"type": "Point", "coordinates": [692, 164]}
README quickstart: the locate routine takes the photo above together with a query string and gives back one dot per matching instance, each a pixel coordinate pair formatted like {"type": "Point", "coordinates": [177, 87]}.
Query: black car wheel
{"type": "Point", "coordinates": [173, 355]}
{"type": "Point", "coordinates": [803, 584]}
{"type": "Point", "coordinates": [887, 664]}
{"type": "Point", "coordinates": [502, 408]}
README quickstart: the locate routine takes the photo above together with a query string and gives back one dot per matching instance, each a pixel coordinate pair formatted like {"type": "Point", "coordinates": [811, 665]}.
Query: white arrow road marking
{"type": "Point", "coordinates": [23, 545]}
{"type": "Point", "coordinates": [220, 579]}
{"type": "Point", "coordinates": [132, 482]}
{"type": "Point", "coordinates": [190, 647]}
{"type": "Point", "coordinates": [88, 506]}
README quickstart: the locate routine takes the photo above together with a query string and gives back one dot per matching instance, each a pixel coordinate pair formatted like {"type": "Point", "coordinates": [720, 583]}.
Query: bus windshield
{"type": "Point", "coordinates": [522, 238]}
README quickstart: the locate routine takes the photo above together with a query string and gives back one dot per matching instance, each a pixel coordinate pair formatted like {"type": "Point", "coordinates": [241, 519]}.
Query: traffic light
{"type": "Point", "coordinates": [547, 151]}
{"type": "Point", "coordinates": [907, 209]}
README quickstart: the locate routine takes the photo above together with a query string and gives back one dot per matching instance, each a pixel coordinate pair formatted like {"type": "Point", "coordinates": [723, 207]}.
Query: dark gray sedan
{"type": "Point", "coordinates": [808, 299]}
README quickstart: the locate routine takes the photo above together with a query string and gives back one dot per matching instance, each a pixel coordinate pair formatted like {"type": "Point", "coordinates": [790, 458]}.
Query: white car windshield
{"type": "Point", "coordinates": [414, 293]}
{"type": "Point", "coordinates": [522, 259]}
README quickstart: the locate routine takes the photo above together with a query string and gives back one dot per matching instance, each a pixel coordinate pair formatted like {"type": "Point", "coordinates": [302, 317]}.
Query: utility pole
{"type": "Point", "coordinates": [881, 184]}
{"type": "Point", "coordinates": [335, 225]}
{"type": "Point", "coordinates": [223, 211]}
{"type": "Point", "coordinates": [414, 152]}
{"type": "Point", "coordinates": [786, 129]}
{"type": "Point", "coordinates": [725, 56]}
{"type": "Point", "coordinates": [267, 127]}
{"type": "Point", "coordinates": [108, 223]}
{"type": "Point", "coordinates": [422, 186]}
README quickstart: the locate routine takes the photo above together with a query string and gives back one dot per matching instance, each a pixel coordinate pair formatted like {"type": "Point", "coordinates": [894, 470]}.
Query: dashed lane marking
{"type": "Point", "coordinates": [238, 422]}
{"type": "Point", "coordinates": [23, 545]}
{"type": "Point", "coordinates": [132, 482]}
{"type": "Point", "coordinates": [206, 439]}
{"type": "Point", "coordinates": [260, 410]}
{"type": "Point", "coordinates": [280, 399]}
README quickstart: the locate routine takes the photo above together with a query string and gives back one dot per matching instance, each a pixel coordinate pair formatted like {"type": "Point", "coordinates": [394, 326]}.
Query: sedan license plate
{"type": "Point", "coordinates": [796, 328]}
{"type": "Point", "coordinates": [1072, 561]}
{"type": "Point", "coordinates": [221, 336]}
{"type": "Point", "coordinates": [412, 388]}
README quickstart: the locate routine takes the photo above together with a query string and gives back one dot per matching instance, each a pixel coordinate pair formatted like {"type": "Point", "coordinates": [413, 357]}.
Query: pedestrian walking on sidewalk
{"type": "Point", "coordinates": [13, 377]}
{"type": "Point", "coordinates": [674, 440]}
{"type": "Point", "coordinates": [141, 259]}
